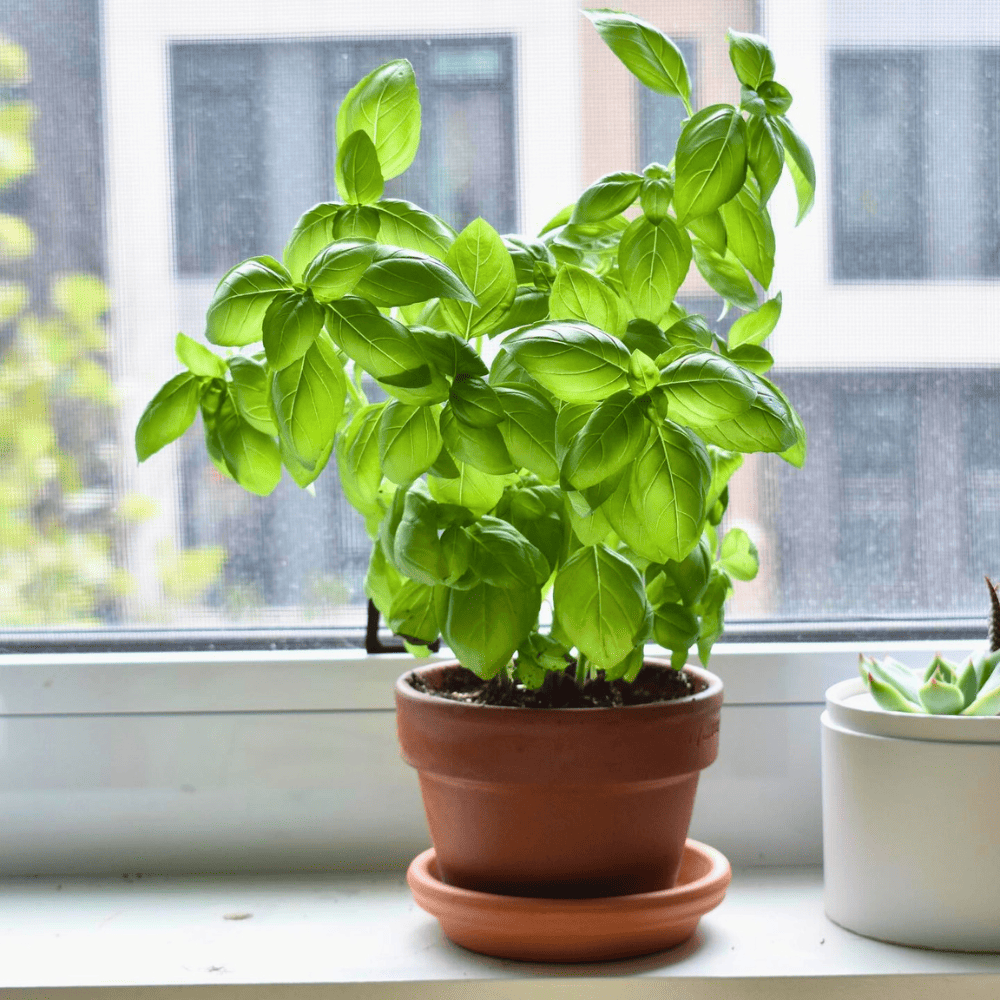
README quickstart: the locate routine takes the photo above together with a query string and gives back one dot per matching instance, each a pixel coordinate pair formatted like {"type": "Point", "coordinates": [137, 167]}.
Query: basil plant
{"type": "Point", "coordinates": [588, 462]}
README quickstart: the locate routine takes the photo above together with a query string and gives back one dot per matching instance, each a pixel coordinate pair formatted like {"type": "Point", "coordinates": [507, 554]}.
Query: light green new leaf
{"type": "Point", "coordinates": [409, 441]}
{"type": "Point", "coordinates": [647, 53]}
{"type": "Point", "coordinates": [529, 431]}
{"type": "Point", "coordinates": [578, 294]}
{"type": "Point", "coordinates": [338, 267]}
{"type": "Point", "coordinates": [480, 259]}
{"type": "Point", "coordinates": [576, 362]}
{"type": "Point", "coordinates": [308, 399]}
{"type": "Point", "coordinates": [711, 161]}
{"type": "Point", "coordinates": [739, 555]}
{"type": "Point", "coordinates": [751, 236]}
{"type": "Point", "coordinates": [168, 415]}
{"type": "Point", "coordinates": [403, 224]}
{"type": "Point", "coordinates": [243, 296]}
{"type": "Point", "coordinates": [704, 388]}
{"type": "Point", "coordinates": [197, 358]}
{"type": "Point", "coordinates": [751, 58]}
{"type": "Point", "coordinates": [290, 327]}
{"type": "Point", "coordinates": [613, 435]}
{"type": "Point", "coordinates": [386, 106]}
{"type": "Point", "coordinates": [484, 626]}
{"type": "Point", "coordinates": [398, 276]}
{"type": "Point", "coordinates": [313, 231]}
{"type": "Point", "coordinates": [800, 166]}
{"type": "Point", "coordinates": [726, 275]}
{"type": "Point", "coordinates": [755, 327]}
{"type": "Point", "coordinates": [600, 605]}
{"type": "Point", "coordinates": [251, 392]}
{"type": "Point", "coordinates": [359, 177]}
{"type": "Point", "coordinates": [777, 99]}
{"type": "Point", "coordinates": [653, 260]}
{"type": "Point", "coordinates": [606, 197]}
{"type": "Point", "coordinates": [381, 346]}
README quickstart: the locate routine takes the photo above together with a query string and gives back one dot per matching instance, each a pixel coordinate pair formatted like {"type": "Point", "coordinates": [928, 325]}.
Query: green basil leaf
{"type": "Point", "coordinates": [404, 224]}
{"type": "Point", "coordinates": [381, 346]}
{"type": "Point", "coordinates": [529, 431]}
{"type": "Point", "coordinates": [484, 626]}
{"type": "Point", "coordinates": [243, 296]}
{"type": "Point", "coordinates": [712, 611]}
{"type": "Point", "coordinates": [409, 441]}
{"type": "Point", "coordinates": [336, 269]}
{"type": "Point", "coordinates": [643, 375]}
{"type": "Point", "coordinates": [612, 436]}
{"type": "Point", "coordinates": [413, 612]}
{"type": "Point", "coordinates": [290, 327]}
{"type": "Point", "coordinates": [416, 547]}
{"type": "Point", "coordinates": [503, 557]}
{"type": "Point", "coordinates": [417, 378]}
{"type": "Point", "coordinates": [704, 388]}
{"type": "Point", "coordinates": [800, 166]}
{"type": "Point", "coordinates": [198, 359]}
{"type": "Point", "coordinates": [711, 230]}
{"type": "Point", "coordinates": [751, 357]}
{"type": "Point", "coordinates": [450, 355]}
{"type": "Point", "coordinates": [641, 335]}
{"type": "Point", "coordinates": [752, 103]}
{"type": "Point", "coordinates": [767, 426]}
{"type": "Point", "coordinates": [755, 327]}
{"type": "Point", "coordinates": [382, 581]}
{"type": "Point", "coordinates": [653, 260]}
{"type": "Point", "coordinates": [476, 403]}
{"type": "Point", "coordinates": [711, 161]}
{"type": "Point", "coordinates": [576, 362]}
{"type": "Point", "coordinates": [386, 106]}
{"type": "Point", "coordinates": [313, 231]}
{"type": "Point", "coordinates": [765, 155]}
{"type": "Point", "coordinates": [357, 222]}
{"type": "Point", "coordinates": [777, 99]}
{"type": "Point", "coordinates": [358, 460]}
{"type": "Point", "coordinates": [724, 465]}
{"type": "Point", "coordinates": [751, 58]}
{"type": "Point", "coordinates": [751, 236]}
{"type": "Point", "coordinates": [559, 219]}
{"type": "Point", "coordinates": [690, 331]}
{"type": "Point", "coordinates": [796, 454]}
{"type": "Point", "coordinates": [251, 393]}
{"type": "Point", "coordinates": [472, 488]}
{"type": "Point", "coordinates": [658, 509]}
{"type": "Point", "coordinates": [655, 198]}
{"type": "Point", "coordinates": [398, 276]}
{"type": "Point", "coordinates": [676, 628]}
{"type": "Point", "coordinates": [530, 305]}
{"type": "Point", "coordinates": [168, 415]}
{"type": "Point", "coordinates": [689, 577]}
{"type": "Point", "coordinates": [738, 555]}
{"type": "Point", "coordinates": [647, 53]}
{"type": "Point", "coordinates": [726, 275]}
{"type": "Point", "coordinates": [482, 447]}
{"type": "Point", "coordinates": [413, 388]}
{"type": "Point", "coordinates": [600, 605]}
{"type": "Point", "coordinates": [481, 261]}
{"type": "Point", "coordinates": [251, 456]}
{"type": "Point", "coordinates": [578, 294]}
{"type": "Point", "coordinates": [308, 398]}
{"type": "Point", "coordinates": [358, 175]}
{"type": "Point", "coordinates": [606, 197]}
{"type": "Point", "coordinates": [570, 421]}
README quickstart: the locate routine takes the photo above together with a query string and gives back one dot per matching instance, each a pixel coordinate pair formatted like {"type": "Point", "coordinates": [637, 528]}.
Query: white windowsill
{"type": "Point", "coordinates": [362, 930]}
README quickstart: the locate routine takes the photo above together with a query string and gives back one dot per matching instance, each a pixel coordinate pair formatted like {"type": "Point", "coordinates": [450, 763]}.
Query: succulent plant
{"type": "Point", "coordinates": [946, 688]}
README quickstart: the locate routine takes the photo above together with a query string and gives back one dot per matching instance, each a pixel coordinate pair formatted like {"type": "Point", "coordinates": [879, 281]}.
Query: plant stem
{"type": "Point", "coordinates": [581, 670]}
{"type": "Point", "coordinates": [357, 395]}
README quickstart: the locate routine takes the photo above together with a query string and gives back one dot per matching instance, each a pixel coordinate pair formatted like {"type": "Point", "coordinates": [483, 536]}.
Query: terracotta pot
{"type": "Point", "coordinates": [570, 803]}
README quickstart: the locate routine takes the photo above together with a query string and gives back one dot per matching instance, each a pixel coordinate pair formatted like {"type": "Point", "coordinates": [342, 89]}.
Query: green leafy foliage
{"type": "Point", "coordinates": [590, 457]}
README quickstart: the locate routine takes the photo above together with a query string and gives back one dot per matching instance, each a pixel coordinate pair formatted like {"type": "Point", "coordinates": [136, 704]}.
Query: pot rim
{"type": "Point", "coordinates": [712, 691]}
{"type": "Point", "coordinates": [852, 708]}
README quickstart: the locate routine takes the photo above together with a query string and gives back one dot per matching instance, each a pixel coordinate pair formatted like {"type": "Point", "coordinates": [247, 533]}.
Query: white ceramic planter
{"type": "Point", "coordinates": [911, 823]}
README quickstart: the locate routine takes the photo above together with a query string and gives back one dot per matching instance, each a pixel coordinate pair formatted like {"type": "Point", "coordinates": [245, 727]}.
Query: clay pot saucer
{"type": "Point", "coordinates": [574, 930]}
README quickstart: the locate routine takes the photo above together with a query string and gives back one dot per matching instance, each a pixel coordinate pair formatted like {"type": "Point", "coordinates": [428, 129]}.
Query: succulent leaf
{"type": "Point", "coordinates": [895, 674]}
{"type": "Point", "coordinates": [968, 683]}
{"type": "Point", "coordinates": [944, 670]}
{"type": "Point", "coordinates": [889, 698]}
{"type": "Point", "coordinates": [941, 698]}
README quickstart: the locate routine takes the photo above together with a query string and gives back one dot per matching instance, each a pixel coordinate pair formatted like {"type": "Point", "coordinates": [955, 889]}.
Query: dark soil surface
{"type": "Point", "coordinates": [560, 691]}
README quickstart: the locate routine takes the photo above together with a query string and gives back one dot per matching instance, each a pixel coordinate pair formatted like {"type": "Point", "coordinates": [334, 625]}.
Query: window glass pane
{"type": "Point", "coordinates": [144, 153]}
